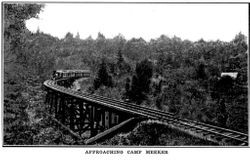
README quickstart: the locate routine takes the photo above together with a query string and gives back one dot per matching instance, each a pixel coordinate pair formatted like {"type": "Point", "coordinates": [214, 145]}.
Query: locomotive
{"type": "Point", "coordinates": [61, 74]}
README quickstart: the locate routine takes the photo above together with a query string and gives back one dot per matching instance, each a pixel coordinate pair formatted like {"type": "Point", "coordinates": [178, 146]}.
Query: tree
{"type": "Point", "coordinates": [240, 44]}
{"type": "Point", "coordinates": [16, 35]}
{"type": "Point", "coordinates": [158, 101]}
{"type": "Point", "coordinates": [15, 31]}
{"type": "Point", "coordinates": [120, 58]}
{"type": "Point", "coordinates": [136, 49]}
{"type": "Point", "coordinates": [103, 78]}
{"type": "Point", "coordinates": [222, 114]}
{"type": "Point", "coordinates": [40, 49]}
{"type": "Point", "coordinates": [127, 88]}
{"type": "Point", "coordinates": [238, 59]}
{"type": "Point", "coordinates": [120, 61]}
{"type": "Point", "coordinates": [225, 85]}
{"type": "Point", "coordinates": [69, 36]}
{"type": "Point", "coordinates": [224, 89]}
{"type": "Point", "coordinates": [141, 81]}
{"type": "Point", "coordinates": [122, 66]}
{"type": "Point", "coordinates": [77, 36]}
{"type": "Point", "coordinates": [164, 62]}
{"type": "Point", "coordinates": [201, 73]}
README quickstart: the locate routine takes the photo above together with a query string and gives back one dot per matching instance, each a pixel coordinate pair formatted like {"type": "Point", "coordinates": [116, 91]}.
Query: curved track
{"type": "Point", "coordinates": [214, 133]}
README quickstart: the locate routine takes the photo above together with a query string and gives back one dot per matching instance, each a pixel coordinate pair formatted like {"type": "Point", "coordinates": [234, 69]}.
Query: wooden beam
{"type": "Point", "coordinates": [55, 105]}
{"type": "Point", "coordinates": [65, 127]}
{"type": "Point", "coordinates": [91, 119]}
{"type": "Point", "coordinates": [63, 109]}
{"type": "Point", "coordinates": [103, 118]}
{"type": "Point", "coordinates": [110, 118]}
{"type": "Point", "coordinates": [108, 132]}
{"type": "Point", "coordinates": [82, 117]}
{"type": "Point", "coordinates": [71, 115]}
{"type": "Point", "coordinates": [51, 100]}
{"type": "Point", "coordinates": [46, 98]}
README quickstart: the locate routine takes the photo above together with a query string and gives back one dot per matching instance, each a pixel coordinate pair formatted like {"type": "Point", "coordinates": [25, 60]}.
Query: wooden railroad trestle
{"type": "Point", "coordinates": [96, 118]}
{"type": "Point", "coordinates": [83, 117]}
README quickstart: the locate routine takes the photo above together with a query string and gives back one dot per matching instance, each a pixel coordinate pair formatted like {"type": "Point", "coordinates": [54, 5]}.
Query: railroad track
{"type": "Point", "coordinates": [217, 134]}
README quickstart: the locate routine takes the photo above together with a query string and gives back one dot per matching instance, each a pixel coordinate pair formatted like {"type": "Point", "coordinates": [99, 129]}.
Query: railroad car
{"type": "Point", "coordinates": [59, 74]}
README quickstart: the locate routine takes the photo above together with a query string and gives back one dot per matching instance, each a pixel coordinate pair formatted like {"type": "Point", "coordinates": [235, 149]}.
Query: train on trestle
{"type": "Point", "coordinates": [60, 74]}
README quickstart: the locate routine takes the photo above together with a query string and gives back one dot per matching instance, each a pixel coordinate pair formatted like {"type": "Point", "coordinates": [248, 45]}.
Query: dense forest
{"type": "Point", "coordinates": [171, 74]}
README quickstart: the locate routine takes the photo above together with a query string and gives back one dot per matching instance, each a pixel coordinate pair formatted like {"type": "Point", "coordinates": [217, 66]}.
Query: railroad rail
{"type": "Point", "coordinates": [213, 133]}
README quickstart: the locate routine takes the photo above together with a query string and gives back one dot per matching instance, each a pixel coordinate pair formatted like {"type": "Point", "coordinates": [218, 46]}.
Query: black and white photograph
{"type": "Point", "coordinates": [125, 74]}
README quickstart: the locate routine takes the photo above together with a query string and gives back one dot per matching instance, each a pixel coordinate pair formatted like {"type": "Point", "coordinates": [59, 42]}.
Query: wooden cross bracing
{"type": "Point", "coordinates": [81, 116]}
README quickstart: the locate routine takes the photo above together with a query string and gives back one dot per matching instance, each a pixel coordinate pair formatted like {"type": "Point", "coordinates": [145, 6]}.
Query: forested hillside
{"type": "Point", "coordinates": [171, 74]}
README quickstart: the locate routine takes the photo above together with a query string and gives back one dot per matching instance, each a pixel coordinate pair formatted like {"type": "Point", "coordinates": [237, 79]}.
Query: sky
{"type": "Point", "coordinates": [149, 21]}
